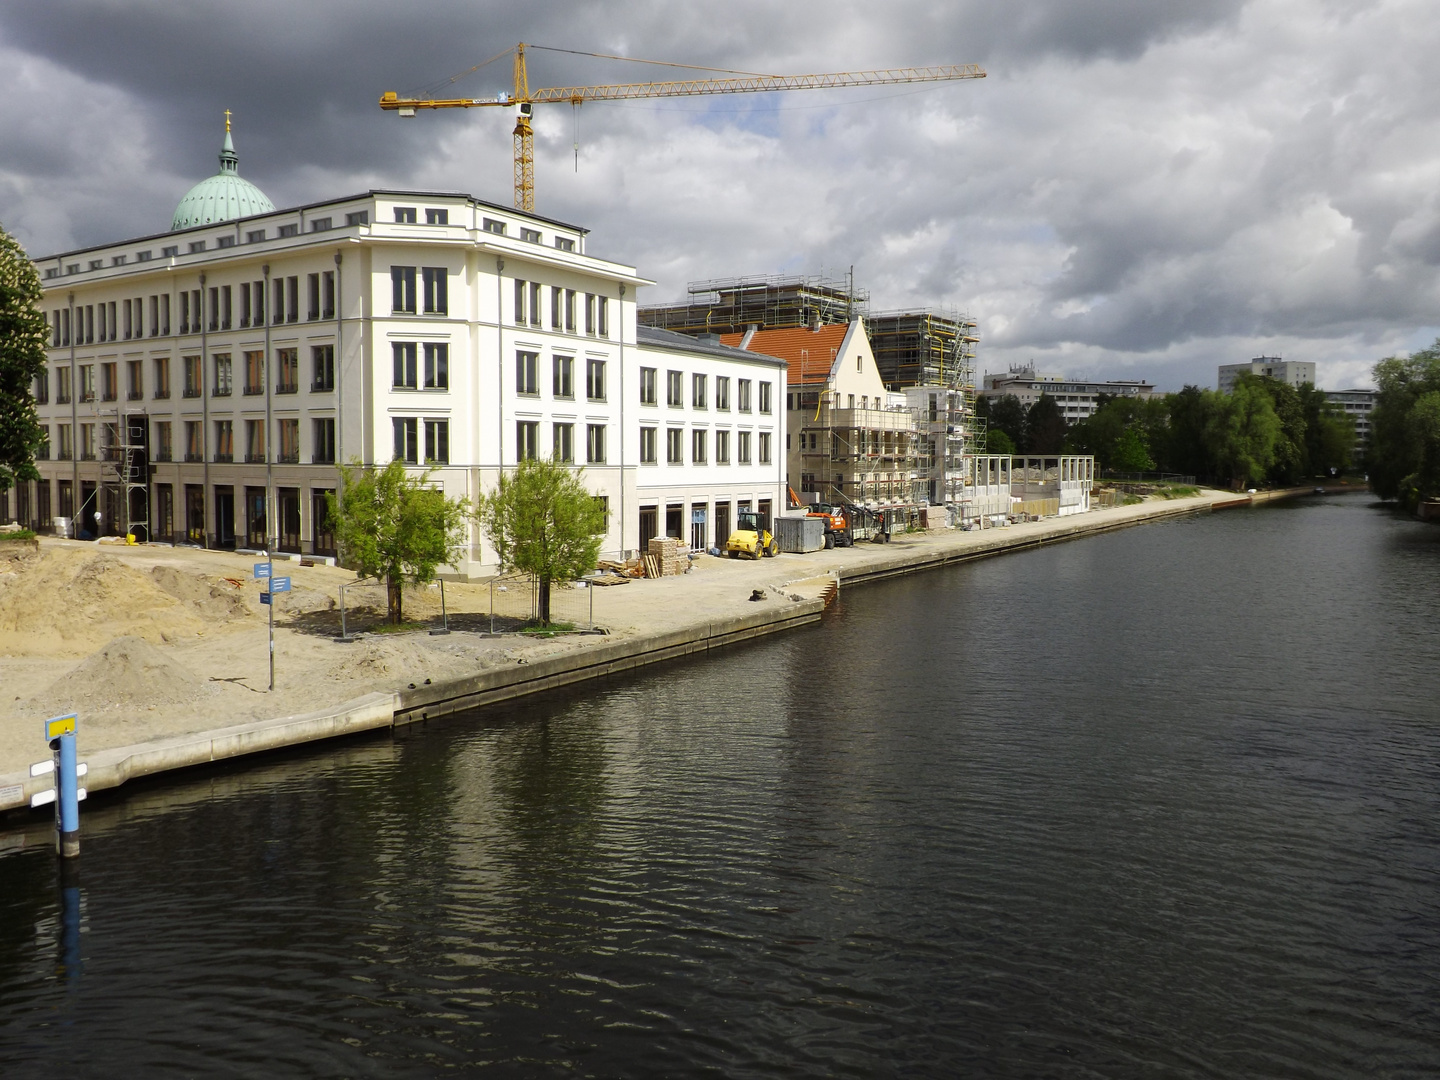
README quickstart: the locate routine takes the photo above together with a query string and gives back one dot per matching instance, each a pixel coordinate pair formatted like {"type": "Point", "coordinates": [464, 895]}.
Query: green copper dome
{"type": "Point", "coordinates": [223, 197]}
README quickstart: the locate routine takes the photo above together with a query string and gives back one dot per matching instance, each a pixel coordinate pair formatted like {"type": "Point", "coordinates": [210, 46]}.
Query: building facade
{"type": "Point", "coordinates": [1294, 373]}
{"type": "Point", "coordinates": [205, 385]}
{"type": "Point", "coordinates": [1357, 405]}
{"type": "Point", "coordinates": [1077, 398]}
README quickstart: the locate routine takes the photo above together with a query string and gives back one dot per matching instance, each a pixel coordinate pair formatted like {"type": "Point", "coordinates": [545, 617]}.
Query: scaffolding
{"type": "Point", "coordinates": [127, 452]}
{"type": "Point", "coordinates": [732, 305]}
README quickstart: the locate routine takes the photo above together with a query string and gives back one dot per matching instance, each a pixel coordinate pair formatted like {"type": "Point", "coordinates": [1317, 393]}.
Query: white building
{"type": "Point", "coordinates": [1357, 405]}
{"type": "Point", "coordinates": [1294, 373]}
{"type": "Point", "coordinates": [205, 383]}
{"type": "Point", "coordinates": [1077, 398]}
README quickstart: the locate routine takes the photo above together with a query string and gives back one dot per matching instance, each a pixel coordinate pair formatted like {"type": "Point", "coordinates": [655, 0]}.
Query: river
{"type": "Point", "coordinates": [1162, 802]}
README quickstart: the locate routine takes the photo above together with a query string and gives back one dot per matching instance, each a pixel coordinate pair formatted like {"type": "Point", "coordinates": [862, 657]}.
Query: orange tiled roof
{"type": "Point", "coordinates": [810, 354]}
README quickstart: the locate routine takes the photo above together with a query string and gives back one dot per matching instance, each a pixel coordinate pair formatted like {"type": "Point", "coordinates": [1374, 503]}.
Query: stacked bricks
{"type": "Point", "coordinates": [665, 550]}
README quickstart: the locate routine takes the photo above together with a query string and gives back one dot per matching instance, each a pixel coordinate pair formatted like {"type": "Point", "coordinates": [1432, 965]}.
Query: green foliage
{"type": "Point", "coordinates": [19, 534]}
{"type": "Point", "coordinates": [541, 520]}
{"type": "Point", "coordinates": [1329, 433]}
{"type": "Point", "coordinates": [997, 442]}
{"type": "Point", "coordinates": [1131, 454]}
{"type": "Point", "coordinates": [1241, 433]}
{"type": "Point", "coordinates": [1403, 458]}
{"type": "Point", "coordinates": [1045, 427]}
{"type": "Point", "coordinates": [391, 525]}
{"type": "Point", "coordinates": [1006, 415]}
{"type": "Point", "coordinates": [23, 332]}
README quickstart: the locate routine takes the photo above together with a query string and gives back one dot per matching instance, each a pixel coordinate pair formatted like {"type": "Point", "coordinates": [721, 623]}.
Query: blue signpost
{"type": "Point", "coordinates": [60, 735]}
{"type": "Point", "coordinates": [265, 571]}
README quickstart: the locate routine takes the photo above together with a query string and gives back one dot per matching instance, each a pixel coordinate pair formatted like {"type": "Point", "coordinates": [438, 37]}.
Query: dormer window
{"type": "Point", "coordinates": [404, 215]}
{"type": "Point", "coordinates": [143, 256]}
{"type": "Point", "coordinates": [530, 236]}
{"type": "Point", "coordinates": [170, 252]}
{"type": "Point", "coordinates": [72, 268]}
{"type": "Point", "coordinates": [196, 246]}
{"type": "Point", "coordinates": [52, 271]}
{"type": "Point", "coordinates": [289, 230]}
{"type": "Point", "coordinates": [490, 225]}
{"type": "Point", "coordinates": [118, 260]}
{"type": "Point", "coordinates": [225, 242]}
{"type": "Point", "coordinates": [564, 243]}
{"type": "Point", "coordinates": [359, 217]}
{"type": "Point", "coordinates": [96, 264]}
{"type": "Point", "coordinates": [320, 224]}
{"type": "Point", "coordinates": [437, 217]}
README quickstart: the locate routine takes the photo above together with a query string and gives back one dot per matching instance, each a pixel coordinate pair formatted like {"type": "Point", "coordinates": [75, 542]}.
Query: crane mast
{"type": "Point", "coordinates": [524, 99]}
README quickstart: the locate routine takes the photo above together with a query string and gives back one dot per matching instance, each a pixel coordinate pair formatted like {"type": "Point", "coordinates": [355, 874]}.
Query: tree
{"type": "Point", "coordinates": [23, 331]}
{"type": "Point", "coordinates": [1131, 454]}
{"type": "Point", "coordinates": [1044, 427]}
{"type": "Point", "coordinates": [1329, 433]}
{"type": "Point", "coordinates": [1008, 415]}
{"type": "Point", "coordinates": [391, 524]}
{"type": "Point", "coordinates": [540, 519]}
{"type": "Point", "coordinates": [1403, 458]}
{"type": "Point", "coordinates": [1241, 432]}
{"type": "Point", "coordinates": [997, 442]}
{"type": "Point", "coordinates": [1291, 459]}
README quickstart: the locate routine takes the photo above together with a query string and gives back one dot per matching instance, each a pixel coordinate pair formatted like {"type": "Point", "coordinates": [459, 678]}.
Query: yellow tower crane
{"type": "Point", "coordinates": [524, 99]}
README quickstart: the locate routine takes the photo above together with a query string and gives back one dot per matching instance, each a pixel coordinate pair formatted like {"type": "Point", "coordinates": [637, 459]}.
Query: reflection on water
{"type": "Point", "coordinates": [1162, 802]}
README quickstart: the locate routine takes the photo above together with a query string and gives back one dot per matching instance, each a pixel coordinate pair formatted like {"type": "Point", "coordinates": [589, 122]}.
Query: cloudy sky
{"type": "Point", "coordinates": [1139, 189]}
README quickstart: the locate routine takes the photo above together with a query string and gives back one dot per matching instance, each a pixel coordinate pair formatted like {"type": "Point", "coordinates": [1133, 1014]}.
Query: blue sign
{"type": "Point", "coordinates": [262, 571]}
{"type": "Point", "coordinates": [279, 584]}
{"type": "Point", "coordinates": [265, 598]}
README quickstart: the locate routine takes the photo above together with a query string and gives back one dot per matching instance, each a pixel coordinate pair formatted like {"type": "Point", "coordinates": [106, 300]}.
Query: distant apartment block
{"type": "Point", "coordinates": [1294, 373]}
{"type": "Point", "coordinates": [1077, 398]}
{"type": "Point", "coordinates": [1357, 405]}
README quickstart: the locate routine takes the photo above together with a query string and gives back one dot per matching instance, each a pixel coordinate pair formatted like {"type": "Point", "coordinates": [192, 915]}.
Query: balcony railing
{"type": "Point", "coordinates": [220, 391]}
{"type": "Point", "coordinates": [291, 458]}
{"type": "Point", "coordinates": [163, 454]}
{"type": "Point", "coordinates": [192, 391]}
{"type": "Point", "coordinates": [87, 396]}
{"type": "Point", "coordinates": [162, 395]}
{"type": "Point", "coordinates": [62, 399]}
{"type": "Point", "coordinates": [135, 395]}
{"type": "Point", "coordinates": [254, 459]}
{"type": "Point", "coordinates": [287, 388]}
{"type": "Point", "coordinates": [193, 456]}
{"type": "Point", "coordinates": [223, 459]}
{"type": "Point", "coordinates": [252, 391]}
{"type": "Point", "coordinates": [108, 396]}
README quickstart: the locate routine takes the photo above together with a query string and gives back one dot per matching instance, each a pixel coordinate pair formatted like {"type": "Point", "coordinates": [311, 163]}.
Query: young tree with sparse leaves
{"type": "Point", "coordinates": [390, 524]}
{"type": "Point", "coordinates": [23, 331]}
{"type": "Point", "coordinates": [542, 520]}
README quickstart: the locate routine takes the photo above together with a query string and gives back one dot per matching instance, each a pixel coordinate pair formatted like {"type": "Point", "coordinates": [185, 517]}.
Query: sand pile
{"type": "Point", "coordinates": [127, 674]}
{"type": "Point", "coordinates": [68, 602]}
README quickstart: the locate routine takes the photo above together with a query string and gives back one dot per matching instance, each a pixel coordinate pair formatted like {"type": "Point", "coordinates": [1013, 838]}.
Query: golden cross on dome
{"type": "Point", "coordinates": [227, 119]}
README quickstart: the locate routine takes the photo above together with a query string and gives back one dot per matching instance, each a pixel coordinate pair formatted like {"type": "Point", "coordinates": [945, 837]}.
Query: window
{"type": "Point", "coordinates": [254, 441]}
{"type": "Point", "coordinates": [595, 380]}
{"type": "Point", "coordinates": [437, 295]}
{"type": "Point", "coordinates": [490, 225]}
{"type": "Point", "coordinates": [722, 448]}
{"type": "Point", "coordinates": [564, 243]}
{"type": "Point", "coordinates": [87, 442]}
{"type": "Point", "coordinates": [743, 395]}
{"type": "Point", "coordinates": [255, 372]}
{"type": "Point", "coordinates": [322, 366]}
{"type": "Point", "coordinates": [292, 294]}
{"type": "Point", "coordinates": [557, 307]}
{"type": "Point", "coordinates": [534, 303]}
{"type": "Point", "coordinates": [530, 236]}
{"type": "Point", "coordinates": [327, 295]}
{"type": "Point", "coordinates": [62, 386]}
{"type": "Point", "coordinates": [674, 389]}
{"type": "Point", "coordinates": [288, 432]}
{"type": "Point", "coordinates": [287, 371]}
{"type": "Point", "coordinates": [144, 256]}
{"type": "Point", "coordinates": [258, 291]}
{"type": "Point", "coordinates": [109, 383]}
{"type": "Point", "coordinates": [527, 436]}
{"type": "Point", "coordinates": [742, 447]}
{"type": "Point", "coordinates": [764, 443]}
{"type": "Point", "coordinates": [225, 307]}
{"type": "Point", "coordinates": [675, 446]}
{"type": "Point", "coordinates": [192, 375]}
{"type": "Point", "coordinates": [196, 246]}
{"type": "Point", "coordinates": [437, 366]}
{"type": "Point", "coordinates": [563, 442]}
{"type": "Point", "coordinates": [407, 439]}
{"type": "Point", "coordinates": [590, 323]}
{"type": "Point", "coordinates": [277, 309]}
{"type": "Point", "coordinates": [527, 373]}
{"type": "Point", "coordinates": [357, 217]}
{"type": "Point", "coordinates": [66, 439]}
{"type": "Point", "coordinates": [647, 446]}
{"type": "Point", "coordinates": [402, 290]}
{"type": "Point", "coordinates": [312, 289]}
{"type": "Point", "coordinates": [570, 311]}
{"type": "Point", "coordinates": [722, 392]}
{"type": "Point", "coordinates": [437, 217]}
{"type": "Point", "coordinates": [322, 447]}
{"type": "Point", "coordinates": [192, 440]}
{"type": "Point", "coordinates": [404, 215]}
{"type": "Point", "coordinates": [225, 242]}
{"type": "Point", "coordinates": [595, 444]}
{"type": "Point", "coordinates": [764, 398]}
{"type": "Point", "coordinates": [698, 441]}
{"type": "Point", "coordinates": [184, 312]}
{"type": "Point", "coordinates": [165, 253]}
{"type": "Point", "coordinates": [87, 382]}
{"type": "Point", "coordinates": [647, 386]}
{"type": "Point", "coordinates": [563, 376]}
{"type": "Point", "coordinates": [520, 294]}
{"type": "Point", "coordinates": [437, 441]}
{"type": "Point", "coordinates": [42, 388]}
{"type": "Point", "coordinates": [602, 325]}
{"type": "Point", "coordinates": [224, 440]}
{"type": "Point", "coordinates": [255, 236]}
{"type": "Point", "coordinates": [697, 391]}
{"type": "Point", "coordinates": [403, 354]}
{"type": "Point", "coordinates": [289, 230]}
{"type": "Point", "coordinates": [320, 224]}
{"type": "Point", "coordinates": [163, 442]}
{"type": "Point", "coordinates": [221, 385]}
{"type": "Point", "coordinates": [136, 379]}
{"type": "Point", "coordinates": [117, 260]}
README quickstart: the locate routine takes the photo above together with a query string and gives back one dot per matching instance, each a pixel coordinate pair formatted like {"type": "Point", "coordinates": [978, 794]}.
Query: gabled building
{"type": "Point", "coordinates": [846, 437]}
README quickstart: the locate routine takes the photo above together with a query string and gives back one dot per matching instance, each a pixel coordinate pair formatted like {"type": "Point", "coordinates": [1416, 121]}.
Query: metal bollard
{"type": "Point", "coordinates": [67, 800]}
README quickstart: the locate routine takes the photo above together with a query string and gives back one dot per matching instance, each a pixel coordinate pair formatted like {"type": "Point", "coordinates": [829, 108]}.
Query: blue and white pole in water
{"type": "Point", "coordinates": [60, 734]}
